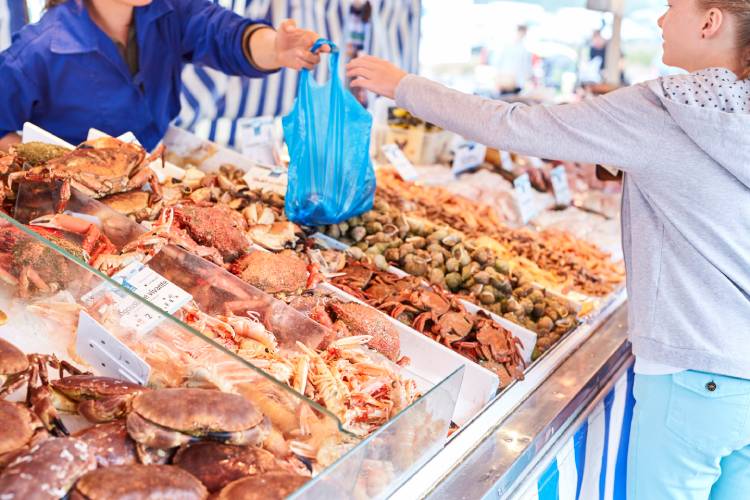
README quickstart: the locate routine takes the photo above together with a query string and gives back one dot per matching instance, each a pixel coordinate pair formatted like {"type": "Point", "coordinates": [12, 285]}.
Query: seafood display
{"type": "Point", "coordinates": [446, 258]}
{"type": "Point", "coordinates": [441, 316]}
{"type": "Point", "coordinates": [577, 265]}
{"type": "Point", "coordinates": [140, 448]}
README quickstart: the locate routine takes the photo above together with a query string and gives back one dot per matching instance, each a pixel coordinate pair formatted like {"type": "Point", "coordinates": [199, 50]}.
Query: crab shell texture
{"type": "Point", "coordinates": [269, 486]}
{"type": "Point", "coordinates": [92, 391]}
{"type": "Point", "coordinates": [12, 360]}
{"type": "Point", "coordinates": [105, 158]}
{"type": "Point", "coordinates": [218, 226]}
{"type": "Point", "coordinates": [48, 470]}
{"type": "Point", "coordinates": [282, 272]}
{"type": "Point", "coordinates": [139, 482]}
{"type": "Point", "coordinates": [217, 465]}
{"type": "Point", "coordinates": [363, 320]}
{"type": "Point", "coordinates": [16, 426]}
{"type": "Point", "coordinates": [193, 413]}
{"type": "Point", "coordinates": [110, 444]}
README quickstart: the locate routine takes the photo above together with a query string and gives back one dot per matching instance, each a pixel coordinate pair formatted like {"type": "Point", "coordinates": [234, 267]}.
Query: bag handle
{"type": "Point", "coordinates": [324, 41]}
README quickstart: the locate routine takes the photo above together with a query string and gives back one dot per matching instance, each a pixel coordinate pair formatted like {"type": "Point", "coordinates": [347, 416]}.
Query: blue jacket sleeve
{"type": "Point", "coordinates": [18, 95]}
{"type": "Point", "coordinates": [213, 35]}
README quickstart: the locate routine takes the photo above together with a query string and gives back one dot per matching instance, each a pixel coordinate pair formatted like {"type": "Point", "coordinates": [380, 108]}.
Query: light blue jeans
{"type": "Point", "coordinates": [690, 438]}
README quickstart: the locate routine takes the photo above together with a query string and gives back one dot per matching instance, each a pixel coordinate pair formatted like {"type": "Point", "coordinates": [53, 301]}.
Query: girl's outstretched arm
{"type": "Point", "coordinates": [622, 129]}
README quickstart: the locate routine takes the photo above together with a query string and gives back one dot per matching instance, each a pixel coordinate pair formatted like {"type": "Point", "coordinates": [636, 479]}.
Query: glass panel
{"type": "Point", "coordinates": [376, 467]}
{"type": "Point", "coordinates": [48, 310]}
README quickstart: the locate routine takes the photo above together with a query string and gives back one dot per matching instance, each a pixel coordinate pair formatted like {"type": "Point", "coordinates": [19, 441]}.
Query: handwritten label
{"type": "Point", "coordinates": [268, 178]}
{"type": "Point", "coordinates": [400, 162]}
{"type": "Point", "coordinates": [147, 284]}
{"type": "Point", "coordinates": [506, 161]}
{"type": "Point", "coordinates": [525, 198]}
{"type": "Point", "coordinates": [560, 185]}
{"type": "Point", "coordinates": [109, 356]}
{"type": "Point", "coordinates": [468, 155]}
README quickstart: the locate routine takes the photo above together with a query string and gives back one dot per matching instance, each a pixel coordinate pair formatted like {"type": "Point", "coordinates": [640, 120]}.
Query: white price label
{"type": "Point", "coordinates": [329, 242]}
{"type": "Point", "coordinates": [271, 179]}
{"type": "Point", "coordinates": [147, 284]}
{"type": "Point", "coordinates": [257, 141]}
{"type": "Point", "coordinates": [506, 161]}
{"type": "Point", "coordinates": [104, 351]}
{"type": "Point", "coordinates": [468, 155]}
{"type": "Point", "coordinates": [400, 162]}
{"type": "Point", "coordinates": [560, 185]}
{"type": "Point", "coordinates": [524, 198]}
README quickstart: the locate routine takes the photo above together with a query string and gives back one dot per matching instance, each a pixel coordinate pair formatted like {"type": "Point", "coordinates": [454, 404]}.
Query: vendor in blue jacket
{"type": "Point", "coordinates": [115, 65]}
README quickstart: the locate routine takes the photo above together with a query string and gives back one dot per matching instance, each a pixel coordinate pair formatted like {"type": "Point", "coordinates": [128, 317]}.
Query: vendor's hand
{"type": "Point", "coordinates": [375, 75]}
{"type": "Point", "coordinates": [293, 46]}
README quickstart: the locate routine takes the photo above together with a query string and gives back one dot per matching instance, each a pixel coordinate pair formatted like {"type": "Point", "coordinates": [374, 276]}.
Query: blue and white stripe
{"type": "Point", "coordinates": [213, 102]}
{"type": "Point", "coordinates": [592, 464]}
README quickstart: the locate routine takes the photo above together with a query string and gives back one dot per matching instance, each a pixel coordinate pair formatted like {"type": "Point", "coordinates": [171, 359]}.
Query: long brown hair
{"type": "Point", "coordinates": [53, 3]}
{"type": "Point", "coordinates": [740, 9]}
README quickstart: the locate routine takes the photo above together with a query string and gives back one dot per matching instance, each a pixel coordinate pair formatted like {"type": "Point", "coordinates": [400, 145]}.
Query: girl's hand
{"type": "Point", "coordinates": [293, 45]}
{"type": "Point", "coordinates": [375, 75]}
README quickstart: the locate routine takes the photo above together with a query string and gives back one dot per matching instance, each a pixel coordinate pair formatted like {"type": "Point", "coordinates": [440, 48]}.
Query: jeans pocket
{"type": "Point", "coordinates": [708, 411]}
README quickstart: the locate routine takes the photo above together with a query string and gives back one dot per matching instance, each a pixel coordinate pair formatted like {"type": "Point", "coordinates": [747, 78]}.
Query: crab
{"type": "Point", "coordinates": [20, 430]}
{"type": "Point", "coordinates": [97, 168]}
{"type": "Point", "coordinates": [110, 443]}
{"type": "Point", "coordinates": [139, 481]}
{"type": "Point", "coordinates": [33, 267]}
{"type": "Point", "coordinates": [217, 465]}
{"type": "Point", "coordinates": [48, 470]}
{"type": "Point", "coordinates": [135, 204]}
{"type": "Point", "coordinates": [14, 368]}
{"type": "Point", "coordinates": [275, 273]}
{"type": "Point", "coordinates": [168, 418]}
{"type": "Point", "coordinates": [98, 399]}
{"type": "Point", "coordinates": [216, 226]}
{"type": "Point", "coordinates": [269, 486]}
{"type": "Point", "coordinates": [363, 320]}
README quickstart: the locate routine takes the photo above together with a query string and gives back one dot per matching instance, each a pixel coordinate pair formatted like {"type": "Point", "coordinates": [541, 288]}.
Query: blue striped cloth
{"type": "Point", "coordinates": [212, 102]}
{"type": "Point", "coordinates": [592, 464]}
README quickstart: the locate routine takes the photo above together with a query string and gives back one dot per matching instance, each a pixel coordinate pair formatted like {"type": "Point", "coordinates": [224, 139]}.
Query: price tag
{"type": "Point", "coordinates": [468, 155]}
{"type": "Point", "coordinates": [506, 161]}
{"type": "Point", "coordinates": [267, 177]}
{"type": "Point", "coordinates": [147, 284]}
{"type": "Point", "coordinates": [536, 162]}
{"type": "Point", "coordinates": [524, 198]}
{"type": "Point", "coordinates": [257, 140]}
{"type": "Point", "coordinates": [560, 185]}
{"type": "Point", "coordinates": [329, 242]}
{"type": "Point", "coordinates": [400, 162]}
{"type": "Point", "coordinates": [111, 357]}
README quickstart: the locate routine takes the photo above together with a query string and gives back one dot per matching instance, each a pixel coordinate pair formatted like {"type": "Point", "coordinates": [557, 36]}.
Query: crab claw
{"type": "Point", "coordinates": [94, 242]}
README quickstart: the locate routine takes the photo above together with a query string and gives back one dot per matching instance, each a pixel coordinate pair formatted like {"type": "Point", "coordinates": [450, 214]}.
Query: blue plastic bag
{"type": "Point", "coordinates": [328, 132]}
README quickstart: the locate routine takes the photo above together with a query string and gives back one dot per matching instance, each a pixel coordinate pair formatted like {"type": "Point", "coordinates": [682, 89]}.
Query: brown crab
{"type": "Point", "coordinates": [20, 429]}
{"type": "Point", "coordinates": [97, 168]}
{"type": "Point", "coordinates": [217, 465]}
{"type": "Point", "coordinates": [48, 470]}
{"type": "Point", "coordinates": [98, 399]}
{"type": "Point", "coordinates": [168, 418]}
{"type": "Point", "coordinates": [14, 368]}
{"type": "Point", "coordinates": [274, 273]}
{"type": "Point", "coordinates": [110, 443]}
{"type": "Point", "coordinates": [139, 481]}
{"type": "Point", "coordinates": [269, 486]}
{"type": "Point", "coordinates": [216, 226]}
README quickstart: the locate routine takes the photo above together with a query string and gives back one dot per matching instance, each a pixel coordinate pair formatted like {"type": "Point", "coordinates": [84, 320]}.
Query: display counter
{"type": "Point", "coordinates": [508, 445]}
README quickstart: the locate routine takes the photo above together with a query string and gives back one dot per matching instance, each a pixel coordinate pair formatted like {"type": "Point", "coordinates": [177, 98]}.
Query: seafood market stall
{"type": "Point", "coordinates": [432, 346]}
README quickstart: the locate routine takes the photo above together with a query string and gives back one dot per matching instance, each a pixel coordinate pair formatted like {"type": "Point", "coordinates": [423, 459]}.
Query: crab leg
{"type": "Point", "coordinates": [94, 242]}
